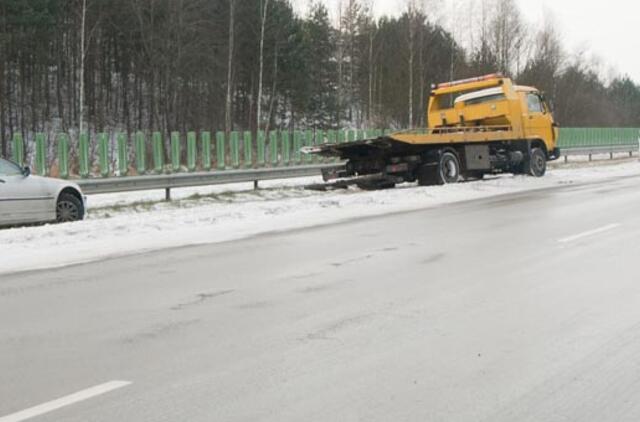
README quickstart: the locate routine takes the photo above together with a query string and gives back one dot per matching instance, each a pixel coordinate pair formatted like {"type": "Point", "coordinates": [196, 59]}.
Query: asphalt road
{"type": "Point", "coordinates": [518, 308]}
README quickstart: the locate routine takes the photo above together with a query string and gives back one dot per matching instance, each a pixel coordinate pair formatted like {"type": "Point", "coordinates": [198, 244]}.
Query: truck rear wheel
{"type": "Point", "coordinates": [448, 169]}
{"type": "Point", "coordinates": [537, 163]}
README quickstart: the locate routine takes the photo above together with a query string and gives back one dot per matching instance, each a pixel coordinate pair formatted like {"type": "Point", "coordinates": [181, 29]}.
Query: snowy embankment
{"type": "Point", "coordinates": [123, 224]}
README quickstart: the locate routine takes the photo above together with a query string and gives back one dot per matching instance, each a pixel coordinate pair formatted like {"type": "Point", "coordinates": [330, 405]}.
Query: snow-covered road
{"type": "Point", "coordinates": [137, 222]}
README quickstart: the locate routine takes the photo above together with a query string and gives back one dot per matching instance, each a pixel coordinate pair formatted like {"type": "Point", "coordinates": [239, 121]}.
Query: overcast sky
{"type": "Point", "coordinates": [607, 30]}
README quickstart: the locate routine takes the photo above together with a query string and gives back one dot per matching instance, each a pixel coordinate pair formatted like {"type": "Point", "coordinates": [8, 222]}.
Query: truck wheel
{"type": "Point", "coordinates": [448, 169]}
{"type": "Point", "coordinates": [69, 209]}
{"type": "Point", "coordinates": [537, 164]}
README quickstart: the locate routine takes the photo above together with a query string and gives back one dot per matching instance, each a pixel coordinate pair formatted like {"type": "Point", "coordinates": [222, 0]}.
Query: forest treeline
{"type": "Point", "coordinates": [165, 65]}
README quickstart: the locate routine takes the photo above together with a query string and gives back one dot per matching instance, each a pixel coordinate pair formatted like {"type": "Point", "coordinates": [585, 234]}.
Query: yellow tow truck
{"type": "Point", "coordinates": [477, 126]}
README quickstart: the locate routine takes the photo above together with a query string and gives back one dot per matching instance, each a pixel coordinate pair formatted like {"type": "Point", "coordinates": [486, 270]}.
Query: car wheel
{"type": "Point", "coordinates": [69, 208]}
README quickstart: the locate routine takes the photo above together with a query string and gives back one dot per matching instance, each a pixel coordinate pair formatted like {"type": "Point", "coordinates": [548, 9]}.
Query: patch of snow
{"type": "Point", "coordinates": [123, 224]}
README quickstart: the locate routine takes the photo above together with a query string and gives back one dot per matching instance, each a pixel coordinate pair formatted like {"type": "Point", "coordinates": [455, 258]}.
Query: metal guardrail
{"type": "Point", "coordinates": [185, 180]}
{"type": "Point", "coordinates": [599, 150]}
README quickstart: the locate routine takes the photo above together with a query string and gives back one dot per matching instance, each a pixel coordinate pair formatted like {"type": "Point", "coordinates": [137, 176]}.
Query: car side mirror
{"type": "Point", "coordinates": [26, 171]}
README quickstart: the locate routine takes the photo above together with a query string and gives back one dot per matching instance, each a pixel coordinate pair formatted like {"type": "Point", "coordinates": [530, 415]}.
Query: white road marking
{"type": "Point", "coordinates": [583, 235]}
{"type": "Point", "coordinates": [64, 401]}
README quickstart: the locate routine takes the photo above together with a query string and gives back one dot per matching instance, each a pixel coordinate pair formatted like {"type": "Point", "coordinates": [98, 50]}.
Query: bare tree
{"type": "Point", "coordinates": [83, 55]}
{"type": "Point", "coordinates": [340, 60]}
{"type": "Point", "coordinates": [412, 17]}
{"type": "Point", "coordinates": [265, 7]}
{"type": "Point", "coordinates": [228, 102]}
{"type": "Point", "coordinates": [508, 36]}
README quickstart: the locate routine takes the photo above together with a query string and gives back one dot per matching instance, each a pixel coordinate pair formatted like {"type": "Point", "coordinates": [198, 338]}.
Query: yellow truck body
{"type": "Point", "coordinates": [508, 112]}
{"type": "Point", "coordinates": [477, 126]}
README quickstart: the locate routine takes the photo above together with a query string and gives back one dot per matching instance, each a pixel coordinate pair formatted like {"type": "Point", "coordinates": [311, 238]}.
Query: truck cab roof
{"type": "Point", "coordinates": [489, 94]}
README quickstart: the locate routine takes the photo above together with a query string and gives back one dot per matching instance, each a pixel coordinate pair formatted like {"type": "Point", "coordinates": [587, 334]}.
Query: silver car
{"type": "Point", "coordinates": [28, 199]}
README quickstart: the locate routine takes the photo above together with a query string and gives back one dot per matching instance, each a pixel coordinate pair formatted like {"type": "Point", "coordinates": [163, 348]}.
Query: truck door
{"type": "Point", "coordinates": [538, 122]}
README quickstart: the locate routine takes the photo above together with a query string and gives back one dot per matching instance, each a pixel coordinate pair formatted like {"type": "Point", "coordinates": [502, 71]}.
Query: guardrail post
{"type": "Point", "coordinates": [63, 155]}
{"type": "Point", "coordinates": [286, 147]}
{"type": "Point", "coordinates": [84, 155]}
{"type": "Point", "coordinates": [175, 152]}
{"type": "Point", "coordinates": [192, 151]}
{"type": "Point", "coordinates": [103, 154]}
{"type": "Point", "coordinates": [221, 151]}
{"type": "Point", "coordinates": [297, 145]}
{"type": "Point", "coordinates": [17, 151]}
{"type": "Point", "coordinates": [123, 154]}
{"type": "Point", "coordinates": [41, 154]}
{"type": "Point", "coordinates": [205, 139]}
{"type": "Point", "coordinates": [273, 148]}
{"type": "Point", "coordinates": [158, 152]}
{"type": "Point", "coordinates": [235, 149]}
{"type": "Point", "coordinates": [141, 162]}
{"type": "Point", "coordinates": [248, 149]}
{"type": "Point", "coordinates": [262, 150]}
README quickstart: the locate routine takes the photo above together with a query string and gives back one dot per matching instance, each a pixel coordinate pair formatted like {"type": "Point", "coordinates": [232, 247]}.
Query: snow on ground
{"type": "Point", "coordinates": [123, 224]}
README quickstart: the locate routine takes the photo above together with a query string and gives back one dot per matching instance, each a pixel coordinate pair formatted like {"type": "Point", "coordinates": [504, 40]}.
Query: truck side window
{"type": "Point", "coordinates": [534, 103]}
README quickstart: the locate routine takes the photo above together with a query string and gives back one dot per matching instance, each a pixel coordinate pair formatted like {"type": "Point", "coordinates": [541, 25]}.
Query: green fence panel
{"type": "Point", "coordinates": [17, 150]}
{"type": "Point", "coordinates": [286, 148]}
{"type": "Point", "coordinates": [235, 149]}
{"type": "Point", "coordinates": [351, 136]}
{"type": "Point", "coordinates": [248, 149]}
{"type": "Point", "coordinates": [331, 136]}
{"type": "Point", "coordinates": [273, 148]}
{"type": "Point", "coordinates": [308, 142]}
{"type": "Point", "coordinates": [597, 137]}
{"type": "Point", "coordinates": [297, 146]}
{"type": "Point", "coordinates": [261, 159]}
{"type": "Point", "coordinates": [63, 155]}
{"type": "Point", "coordinates": [319, 141]}
{"type": "Point", "coordinates": [158, 152]}
{"type": "Point", "coordinates": [192, 151]}
{"type": "Point", "coordinates": [141, 153]}
{"type": "Point", "coordinates": [342, 136]}
{"type": "Point", "coordinates": [103, 154]}
{"type": "Point", "coordinates": [123, 154]}
{"type": "Point", "coordinates": [221, 151]}
{"type": "Point", "coordinates": [205, 144]}
{"type": "Point", "coordinates": [83, 153]}
{"type": "Point", "coordinates": [41, 154]}
{"type": "Point", "coordinates": [176, 151]}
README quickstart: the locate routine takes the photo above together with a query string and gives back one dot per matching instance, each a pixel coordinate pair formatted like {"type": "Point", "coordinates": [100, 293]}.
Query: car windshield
{"type": "Point", "coordinates": [7, 168]}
